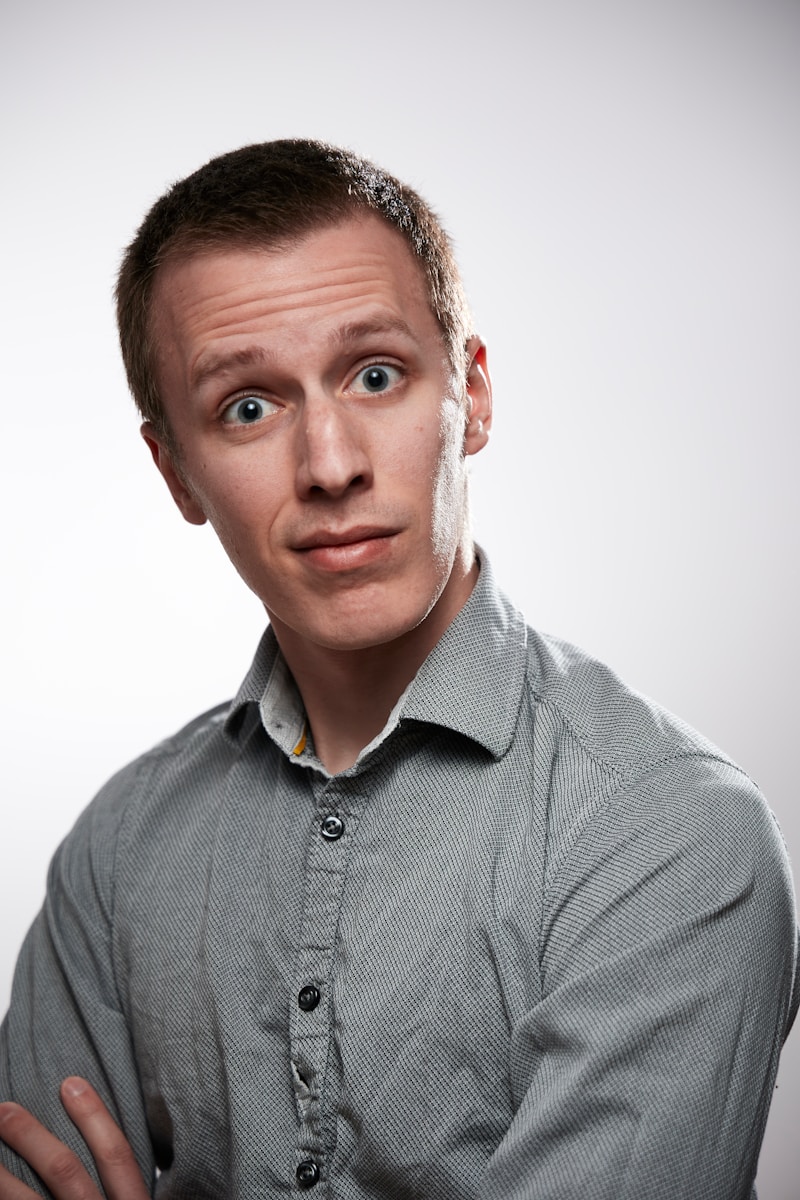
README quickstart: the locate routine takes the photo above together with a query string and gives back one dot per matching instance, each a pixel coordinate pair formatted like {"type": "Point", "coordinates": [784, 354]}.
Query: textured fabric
{"type": "Point", "coordinates": [551, 931]}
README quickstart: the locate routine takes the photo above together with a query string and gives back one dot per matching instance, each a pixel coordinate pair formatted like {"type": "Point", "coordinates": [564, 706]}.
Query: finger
{"type": "Point", "coordinates": [52, 1161]}
{"type": "Point", "coordinates": [113, 1156]}
{"type": "Point", "coordinates": [10, 1188]}
{"type": "Point", "coordinates": [13, 1189]}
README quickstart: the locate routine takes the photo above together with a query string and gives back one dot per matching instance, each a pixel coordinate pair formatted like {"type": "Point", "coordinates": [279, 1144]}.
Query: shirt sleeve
{"type": "Point", "coordinates": [668, 954]}
{"type": "Point", "coordinates": [65, 1015]}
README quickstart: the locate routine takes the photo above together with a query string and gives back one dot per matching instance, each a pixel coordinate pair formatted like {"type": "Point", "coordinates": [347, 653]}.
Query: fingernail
{"type": "Point", "coordinates": [74, 1086]}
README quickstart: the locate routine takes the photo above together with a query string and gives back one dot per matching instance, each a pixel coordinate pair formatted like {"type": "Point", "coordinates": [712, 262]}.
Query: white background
{"type": "Point", "coordinates": [622, 182]}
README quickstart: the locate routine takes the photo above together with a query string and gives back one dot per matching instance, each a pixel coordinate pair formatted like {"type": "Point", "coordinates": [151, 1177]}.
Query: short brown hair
{"type": "Point", "coordinates": [263, 195]}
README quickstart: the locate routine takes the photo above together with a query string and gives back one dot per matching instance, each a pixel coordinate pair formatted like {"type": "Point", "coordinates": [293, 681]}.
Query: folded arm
{"type": "Point", "coordinates": [57, 1166]}
{"type": "Point", "coordinates": [67, 1012]}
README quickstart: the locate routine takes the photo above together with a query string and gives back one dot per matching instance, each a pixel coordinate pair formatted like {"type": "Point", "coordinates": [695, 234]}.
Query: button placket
{"type": "Point", "coordinates": [310, 1023]}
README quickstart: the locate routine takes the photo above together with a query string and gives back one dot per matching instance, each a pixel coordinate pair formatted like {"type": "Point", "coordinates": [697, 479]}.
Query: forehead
{"type": "Point", "coordinates": [338, 273]}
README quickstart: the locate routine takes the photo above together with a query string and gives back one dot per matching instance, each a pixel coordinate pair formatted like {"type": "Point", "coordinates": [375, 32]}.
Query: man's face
{"type": "Point", "coordinates": [321, 429]}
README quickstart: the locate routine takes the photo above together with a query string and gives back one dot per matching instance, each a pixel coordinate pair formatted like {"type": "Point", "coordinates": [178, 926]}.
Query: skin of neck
{"type": "Point", "coordinates": [349, 694]}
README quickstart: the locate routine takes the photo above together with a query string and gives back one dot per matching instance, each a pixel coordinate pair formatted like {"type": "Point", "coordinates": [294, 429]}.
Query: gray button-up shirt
{"type": "Point", "coordinates": [538, 942]}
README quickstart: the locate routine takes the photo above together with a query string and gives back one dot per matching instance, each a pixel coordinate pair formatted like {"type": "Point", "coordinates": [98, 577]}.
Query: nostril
{"type": "Point", "coordinates": [358, 481]}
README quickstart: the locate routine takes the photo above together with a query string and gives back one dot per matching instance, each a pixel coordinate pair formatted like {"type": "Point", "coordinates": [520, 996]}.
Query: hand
{"type": "Point", "coordinates": [56, 1165]}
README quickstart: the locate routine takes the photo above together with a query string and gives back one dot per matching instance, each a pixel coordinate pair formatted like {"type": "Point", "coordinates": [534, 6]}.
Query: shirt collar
{"type": "Point", "coordinates": [267, 665]}
{"type": "Point", "coordinates": [471, 682]}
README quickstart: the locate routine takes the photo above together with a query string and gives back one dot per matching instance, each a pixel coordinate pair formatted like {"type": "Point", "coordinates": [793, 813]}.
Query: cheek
{"type": "Point", "coordinates": [434, 448]}
{"type": "Point", "coordinates": [237, 505]}
{"type": "Point", "coordinates": [450, 486]}
{"type": "Point", "coordinates": [450, 444]}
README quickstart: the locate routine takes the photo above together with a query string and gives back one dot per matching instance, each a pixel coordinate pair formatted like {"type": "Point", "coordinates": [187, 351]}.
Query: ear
{"type": "Point", "coordinates": [165, 461]}
{"type": "Point", "coordinates": [479, 398]}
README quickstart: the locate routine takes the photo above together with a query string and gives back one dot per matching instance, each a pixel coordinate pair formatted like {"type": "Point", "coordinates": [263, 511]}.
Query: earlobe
{"type": "Point", "coordinates": [479, 398]}
{"type": "Point", "coordinates": [164, 460]}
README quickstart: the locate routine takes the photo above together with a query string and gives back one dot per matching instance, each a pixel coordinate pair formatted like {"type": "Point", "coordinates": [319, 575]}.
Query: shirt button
{"type": "Point", "coordinates": [308, 997]}
{"type": "Point", "coordinates": [332, 827]}
{"type": "Point", "coordinates": [307, 1174]}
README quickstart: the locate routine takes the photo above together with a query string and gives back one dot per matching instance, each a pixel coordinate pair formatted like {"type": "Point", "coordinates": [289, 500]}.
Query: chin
{"type": "Point", "coordinates": [363, 624]}
{"type": "Point", "coordinates": [364, 635]}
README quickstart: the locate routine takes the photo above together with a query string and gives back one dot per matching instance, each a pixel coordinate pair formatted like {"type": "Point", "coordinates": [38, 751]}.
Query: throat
{"type": "Point", "coordinates": [349, 694]}
{"type": "Point", "coordinates": [348, 700]}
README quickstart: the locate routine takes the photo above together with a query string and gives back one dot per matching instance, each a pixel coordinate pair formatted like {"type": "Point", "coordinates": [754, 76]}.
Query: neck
{"type": "Point", "coordinates": [349, 694]}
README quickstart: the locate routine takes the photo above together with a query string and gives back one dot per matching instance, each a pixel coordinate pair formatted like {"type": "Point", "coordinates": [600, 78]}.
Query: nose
{"type": "Point", "coordinates": [332, 452]}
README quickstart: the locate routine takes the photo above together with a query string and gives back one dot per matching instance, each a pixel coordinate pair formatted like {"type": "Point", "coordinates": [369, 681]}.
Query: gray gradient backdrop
{"type": "Point", "coordinates": [622, 182]}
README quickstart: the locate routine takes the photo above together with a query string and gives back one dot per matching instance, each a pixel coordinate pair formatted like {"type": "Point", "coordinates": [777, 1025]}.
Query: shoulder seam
{"type": "Point", "coordinates": [623, 779]}
{"type": "Point", "coordinates": [625, 766]}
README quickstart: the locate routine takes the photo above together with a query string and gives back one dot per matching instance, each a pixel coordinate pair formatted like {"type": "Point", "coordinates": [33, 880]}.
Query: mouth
{"type": "Point", "coordinates": [345, 537]}
{"type": "Point", "coordinates": [346, 549]}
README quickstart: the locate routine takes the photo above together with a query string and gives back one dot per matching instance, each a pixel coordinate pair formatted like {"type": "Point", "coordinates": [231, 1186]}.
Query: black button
{"type": "Point", "coordinates": [308, 997]}
{"type": "Point", "coordinates": [332, 827]}
{"type": "Point", "coordinates": [307, 1173]}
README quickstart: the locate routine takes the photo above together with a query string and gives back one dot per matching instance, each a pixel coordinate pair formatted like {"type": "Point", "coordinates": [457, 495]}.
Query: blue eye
{"type": "Point", "coordinates": [376, 379]}
{"type": "Point", "coordinates": [246, 411]}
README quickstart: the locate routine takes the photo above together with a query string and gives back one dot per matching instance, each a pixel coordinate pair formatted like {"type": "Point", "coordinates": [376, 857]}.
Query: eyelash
{"type": "Point", "coordinates": [247, 394]}
{"type": "Point", "coordinates": [255, 394]}
{"type": "Point", "coordinates": [380, 362]}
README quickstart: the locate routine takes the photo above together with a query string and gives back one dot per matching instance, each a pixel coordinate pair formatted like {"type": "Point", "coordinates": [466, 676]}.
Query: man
{"type": "Point", "coordinates": [436, 907]}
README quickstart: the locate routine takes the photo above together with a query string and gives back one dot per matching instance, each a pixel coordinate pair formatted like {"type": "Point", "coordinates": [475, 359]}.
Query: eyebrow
{"type": "Point", "coordinates": [355, 331]}
{"type": "Point", "coordinates": [210, 365]}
